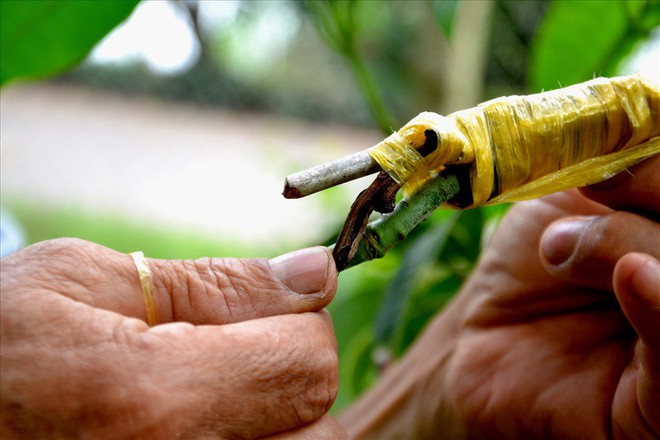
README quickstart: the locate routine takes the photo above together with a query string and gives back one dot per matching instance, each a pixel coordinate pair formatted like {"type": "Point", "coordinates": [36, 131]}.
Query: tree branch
{"type": "Point", "coordinates": [381, 235]}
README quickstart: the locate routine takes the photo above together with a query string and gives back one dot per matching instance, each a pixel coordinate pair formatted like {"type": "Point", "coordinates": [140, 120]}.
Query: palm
{"type": "Point", "coordinates": [549, 348]}
{"type": "Point", "coordinates": [545, 372]}
{"type": "Point", "coordinates": [520, 353]}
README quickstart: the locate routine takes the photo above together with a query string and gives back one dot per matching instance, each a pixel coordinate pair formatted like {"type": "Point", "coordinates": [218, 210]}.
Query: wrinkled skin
{"type": "Point", "coordinates": [542, 342]}
{"type": "Point", "coordinates": [532, 347]}
{"type": "Point", "coordinates": [239, 355]}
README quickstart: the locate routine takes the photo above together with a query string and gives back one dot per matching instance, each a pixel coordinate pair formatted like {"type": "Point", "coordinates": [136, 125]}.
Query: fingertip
{"type": "Point", "coordinates": [560, 239]}
{"type": "Point", "coordinates": [640, 275]}
{"type": "Point", "coordinates": [307, 271]}
{"type": "Point", "coordinates": [636, 282]}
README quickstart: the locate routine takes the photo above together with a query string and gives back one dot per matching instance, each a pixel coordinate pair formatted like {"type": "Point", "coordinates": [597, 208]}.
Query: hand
{"type": "Point", "coordinates": [245, 349]}
{"type": "Point", "coordinates": [556, 334]}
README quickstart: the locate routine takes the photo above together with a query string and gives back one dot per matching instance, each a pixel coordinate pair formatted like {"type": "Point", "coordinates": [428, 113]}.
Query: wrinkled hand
{"type": "Point", "coordinates": [245, 349]}
{"type": "Point", "coordinates": [555, 335]}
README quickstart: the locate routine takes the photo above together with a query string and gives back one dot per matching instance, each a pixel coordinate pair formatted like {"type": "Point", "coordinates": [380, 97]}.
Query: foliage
{"type": "Point", "coordinates": [581, 39]}
{"type": "Point", "coordinates": [382, 305]}
{"type": "Point", "coordinates": [42, 38]}
{"type": "Point", "coordinates": [445, 11]}
{"type": "Point", "coordinates": [337, 25]}
{"type": "Point", "coordinates": [43, 222]}
{"type": "Point", "coordinates": [434, 261]}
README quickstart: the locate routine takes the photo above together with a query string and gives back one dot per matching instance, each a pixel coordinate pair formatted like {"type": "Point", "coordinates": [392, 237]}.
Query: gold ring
{"type": "Point", "coordinates": [144, 273]}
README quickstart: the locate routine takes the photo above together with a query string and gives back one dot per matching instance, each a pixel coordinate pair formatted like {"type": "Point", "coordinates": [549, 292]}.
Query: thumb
{"type": "Point", "coordinates": [203, 291]}
{"type": "Point", "coordinates": [226, 290]}
{"type": "Point", "coordinates": [637, 286]}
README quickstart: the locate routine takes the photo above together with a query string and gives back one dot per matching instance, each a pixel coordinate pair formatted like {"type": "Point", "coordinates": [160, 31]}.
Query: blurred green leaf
{"type": "Point", "coordinates": [335, 22]}
{"type": "Point", "coordinates": [578, 40]}
{"type": "Point", "coordinates": [42, 221]}
{"type": "Point", "coordinates": [359, 293]}
{"type": "Point", "coordinates": [464, 244]}
{"type": "Point", "coordinates": [649, 17]}
{"type": "Point", "coordinates": [574, 42]}
{"type": "Point", "coordinates": [41, 38]}
{"type": "Point", "coordinates": [421, 253]}
{"type": "Point", "coordinates": [424, 306]}
{"type": "Point", "coordinates": [358, 365]}
{"type": "Point", "coordinates": [445, 13]}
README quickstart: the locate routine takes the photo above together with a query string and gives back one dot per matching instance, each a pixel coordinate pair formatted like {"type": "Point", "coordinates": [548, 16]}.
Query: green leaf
{"type": "Point", "coordinates": [575, 42]}
{"type": "Point", "coordinates": [354, 312]}
{"type": "Point", "coordinates": [649, 18]}
{"type": "Point", "coordinates": [359, 370]}
{"type": "Point", "coordinates": [464, 243]}
{"type": "Point", "coordinates": [423, 307]}
{"type": "Point", "coordinates": [445, 13]}
{"type": "Point", "coordinates": [422, 252]}
{"type": "Point", "coordinates": [42, 38]}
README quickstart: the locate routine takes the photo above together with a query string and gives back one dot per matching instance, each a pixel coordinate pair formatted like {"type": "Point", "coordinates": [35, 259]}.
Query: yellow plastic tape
{"type": "Point", "coordinates": [521, 147]}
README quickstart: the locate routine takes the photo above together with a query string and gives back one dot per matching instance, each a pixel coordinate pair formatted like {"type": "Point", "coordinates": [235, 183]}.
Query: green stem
{"type": "Point", "coordinates": [381, 235]}
{"type": "Point", "coordinates": [335, 23]}
{"type": "Point", "coordinates": [369, 90]}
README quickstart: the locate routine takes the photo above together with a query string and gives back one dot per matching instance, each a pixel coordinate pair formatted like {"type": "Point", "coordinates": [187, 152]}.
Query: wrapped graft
{"type": "Point", "coordinates": [521, 147]}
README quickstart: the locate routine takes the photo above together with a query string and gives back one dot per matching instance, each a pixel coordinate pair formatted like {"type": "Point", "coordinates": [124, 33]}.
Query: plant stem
{"type": "Point", "coordinates": [369, 90]}
{"type": "Point", "coordinates": [336, 24]}
{"type": "Point", "coordinates": [381, 235]}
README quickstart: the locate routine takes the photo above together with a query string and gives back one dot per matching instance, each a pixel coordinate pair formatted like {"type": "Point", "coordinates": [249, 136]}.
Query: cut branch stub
{"type": "Point", "coordinates": [381, 235]}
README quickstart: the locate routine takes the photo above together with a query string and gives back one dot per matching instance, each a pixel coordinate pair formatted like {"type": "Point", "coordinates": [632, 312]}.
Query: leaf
{"type": "Point", "coordinates": [574, 42]}
{"type": "Point", "coordinates": [423, 307]}
{"type": "Point", "coordinates": [359, 371]}
{"type": "Point", "coordinates": [649, 18]}
{"type": "Point", "coordinates": [422, 251]}
{"type": "Point", "coordinates": [42, 38]}
{"type": "Point", "coordinates": [445, 13]}
{"type": "Point", "coordinates": [354, 312]}
{"type": "Point", "coordinates": [464, 243]}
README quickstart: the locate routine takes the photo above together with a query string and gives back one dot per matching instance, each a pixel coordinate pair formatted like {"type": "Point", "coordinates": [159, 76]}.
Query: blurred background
{"type": "Point", "coordinates": [169, 126]}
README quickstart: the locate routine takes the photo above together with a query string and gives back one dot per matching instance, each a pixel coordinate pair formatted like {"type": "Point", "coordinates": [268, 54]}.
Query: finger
{"type": "Point", "coordinates": [225, 290]}
{"type": "Point", "coordinates": [204, 291]}
{"type": "Point", "coordinates": [324, 428]}
{"type": "Point", "coordinates": [637, 287]}
{"type": "Point", "coordinates": [245, 380]}
{"type": "Point", "coordinates": [584, 250]}
{"type": "Point", "coordinates": [636, 190]}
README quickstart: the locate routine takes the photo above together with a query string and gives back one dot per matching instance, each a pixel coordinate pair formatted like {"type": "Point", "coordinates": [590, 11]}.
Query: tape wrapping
{"type": "Point", "coordinates": [522, 147]}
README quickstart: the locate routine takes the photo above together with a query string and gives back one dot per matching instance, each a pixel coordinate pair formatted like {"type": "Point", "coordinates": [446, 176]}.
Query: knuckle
{"type": "Point", "coordinates": [232, 279]}
{"type": "Point", "coordinates": [169, 278]}
{"type": "Point", "coordinates": [312, 368]}
{"type": "Point", "coordinates": [317, 387]}
{"type": "Point", "coordinates": [59, 247]}
{"type": "Point", "coordinates": [331, 380]}
{"type": "Point", "coordinates": [214, 290]}
{"type": "Point", "coordinates": [324, 373]}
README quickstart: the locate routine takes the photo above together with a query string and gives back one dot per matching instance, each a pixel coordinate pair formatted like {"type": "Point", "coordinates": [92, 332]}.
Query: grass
{"type": "Point", "coordinates": [45, 221]}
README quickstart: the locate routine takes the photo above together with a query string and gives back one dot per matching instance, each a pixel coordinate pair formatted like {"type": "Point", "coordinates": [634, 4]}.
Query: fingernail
{"type": "Point", "coordinates": [560, 239]}
{"type": "Point", "coordinates": [303, 271]}
{"type": "Point", "coordinates": [646, 281]}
